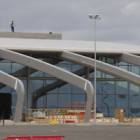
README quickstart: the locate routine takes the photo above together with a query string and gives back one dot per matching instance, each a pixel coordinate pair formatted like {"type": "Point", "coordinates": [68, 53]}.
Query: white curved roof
{"type": "Point", "coordinates": [41, 45]}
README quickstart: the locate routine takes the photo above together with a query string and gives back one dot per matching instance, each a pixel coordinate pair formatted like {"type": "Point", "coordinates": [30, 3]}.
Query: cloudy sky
{"type": "Point", "coordinates": [120, 18]}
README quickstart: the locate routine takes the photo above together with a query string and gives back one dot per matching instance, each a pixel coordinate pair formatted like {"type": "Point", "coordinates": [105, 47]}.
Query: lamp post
{"type": "Point", "coordinates": [95, 17]}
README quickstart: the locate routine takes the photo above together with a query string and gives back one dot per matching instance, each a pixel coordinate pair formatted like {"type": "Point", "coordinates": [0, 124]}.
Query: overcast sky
{"type": "Point", "coordinates": [120, 18]}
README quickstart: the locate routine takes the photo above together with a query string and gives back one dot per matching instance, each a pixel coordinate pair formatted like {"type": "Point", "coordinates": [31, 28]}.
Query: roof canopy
{"type": "Point", "coordinates": [46, 45]}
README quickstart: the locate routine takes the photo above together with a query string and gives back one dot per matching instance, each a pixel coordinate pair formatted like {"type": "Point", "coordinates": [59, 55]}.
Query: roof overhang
{"type": "Point", "coordinates": [58, 46]}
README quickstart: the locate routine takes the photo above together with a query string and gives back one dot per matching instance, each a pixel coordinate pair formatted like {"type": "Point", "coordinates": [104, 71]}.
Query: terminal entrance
{"type": "Point", "coordinates": [5, 105]}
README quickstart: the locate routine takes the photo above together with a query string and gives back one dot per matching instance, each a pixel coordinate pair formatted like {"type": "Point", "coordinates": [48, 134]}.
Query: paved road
{"type": "Point", "coordinates": [75, 132]}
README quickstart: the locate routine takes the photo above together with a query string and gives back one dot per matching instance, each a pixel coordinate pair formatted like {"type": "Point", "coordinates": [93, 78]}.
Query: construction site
{"type": "Point", "coordinates": [45, 79]}
{"type": "Point", "coordinates": [75, 114]}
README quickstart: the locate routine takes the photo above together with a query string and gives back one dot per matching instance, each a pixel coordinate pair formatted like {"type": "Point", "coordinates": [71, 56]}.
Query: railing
{"type": "Point", "coordinates": [77, 105]}
{"type": "Point", "coordinates": [48, 112]}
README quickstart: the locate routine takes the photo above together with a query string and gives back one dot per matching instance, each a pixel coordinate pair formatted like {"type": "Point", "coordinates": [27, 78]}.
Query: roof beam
{"type": "Point", "coordinates": [55, 71]}
{"type": "Point", "coordinates": [101, 66]}
{"type": "Point", "coordinates": [130, 58]}
{"type": "Point", "coordinates": [16, 84]}
{"type": "Point", "coordinates": [57, 84]}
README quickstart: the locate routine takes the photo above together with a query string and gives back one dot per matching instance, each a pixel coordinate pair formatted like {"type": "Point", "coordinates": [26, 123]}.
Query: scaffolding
{"type": "Point", "coordinates": [48, 112]}
{"type": "Point", "coordinates": [77, 105]}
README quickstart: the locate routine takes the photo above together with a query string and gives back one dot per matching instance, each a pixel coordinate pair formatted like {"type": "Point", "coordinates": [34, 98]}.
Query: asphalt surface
{"type": "Point", "coordinates": [75, 132]}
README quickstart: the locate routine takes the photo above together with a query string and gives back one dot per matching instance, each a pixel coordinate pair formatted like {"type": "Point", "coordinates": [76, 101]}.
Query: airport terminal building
{"type": "Point", "coordinates": [118, 73]}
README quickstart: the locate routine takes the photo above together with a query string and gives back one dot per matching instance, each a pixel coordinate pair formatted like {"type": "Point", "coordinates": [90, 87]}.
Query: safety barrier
{"type": "Point", "coordinates": [48, 112]}
{"type": "Point", "coordinates": [18, 138]}
{"type": "Point", "coordinates": [69, 121]}
{"type": "Point", "coordinates": [57, 115]}
{"type": "Point", "coordinates": [36, 138]}
{"type": "Point", "coordinates": [77, 105]}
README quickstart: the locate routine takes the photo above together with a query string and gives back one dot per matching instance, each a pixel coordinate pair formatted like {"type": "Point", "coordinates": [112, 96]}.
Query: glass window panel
{"type": "Point", "coordinates": [50, 60]}
{"type": "Point", "coordinates": [109, 112]}
{"type": "Point", "coordinates": [135, 69]}
{"type": "Point", "coordinates": [121, 87]}
{"type": "Point", "coordinates": [51, 81]}
{"type": "Point", "coordinates": [135, 90]}
{"type": "Point", "coordinates": [65, 67]}
{"type": "Point", "coordinates": [99, 110]}
{"type": "Point", "coordinates": [78, 98]}
{"type": "Point", "coordinates": [98, 74]}
{"type": "Point", "coordinates": [47, 75]}
{"type": "Point", "coordinates": [76, 67]}
{"type": "Point", "coordinates": [37, 89]}
{"type": "Point", "coordinates": [121, 63]}
{"type": "Point", "coordinates": [4, 88]}
{"type": "Point", "coordinates": [134, 101]}
{"type": "Point", "coordinates": [109, 76]}
{"type": "Point", "coordinates": [108, 87]}
{"type": "Point", "coordinates": [65, 88]}
{"type": "Point", "coordinates": [4, 61]}
{"type": "Point", "coordinates": [134, 112]}
{"type": "Point", "coordinates": [23, 110]}
{"type": "Point", "coordinates": [121, 101]}
{"type": "Point", "coordinates": [108, 101]}
{"type": "Point", "coordinates": [99, 101]}
{"type": "Point", "coordinates": [65, 62]}
{"type": "Point", "coordinates": [63, 99]}
{"type": "Point", "coordinates": [19, 70]}
{"type": "Point", "coordinates": [31, 101]}
{"type": "Point", "coordinates": [52, 86]}
{"type": "Point", "coordinates": [104, 75]}
{"type": "Point", "coordinates": [51, 101]}
{"type": "Point", "coordinates": [36, 73]}
{"type": "Point", "coordinates": [77, 90]}
{"type": "Point", "coordinates": [52, 90]}
{"type": "Point", "coordinates": [103, 59]}
{"type": "Point", "coordinates": [5, 67]}
{"type": "Point", "coordinates": [35, 85]}
{"type": "Point", "coordinates": [126, 114]}
{"type": "Point", "coordinates": [99, 58]}
{"type": "Point", "coordinates": [40, 102]}
{"type": "Point", "coordinates": [13, 110]}
{"type": "Point", "coordinates": [37, 103]}
{"type": "Point", "coordinates": [91, 74]}
{"type": "Point", "coordinates": [99, 86]}
{"type": "Point", "coordinates": [24, 102]}
{"type": "Point", "coordinates": [124, 67]}
{"type": "Point", "coordinates": [110, 60]}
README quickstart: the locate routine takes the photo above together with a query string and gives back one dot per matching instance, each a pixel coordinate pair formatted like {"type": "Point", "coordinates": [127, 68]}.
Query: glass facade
{"type": "Point", "coordinates": [53, 94]}
{"type": "Point", "coordinates": [46, 91]}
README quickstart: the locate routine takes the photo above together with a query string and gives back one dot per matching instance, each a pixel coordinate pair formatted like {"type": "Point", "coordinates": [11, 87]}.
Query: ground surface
{"type": "Point", "coordinates": [75, 132]}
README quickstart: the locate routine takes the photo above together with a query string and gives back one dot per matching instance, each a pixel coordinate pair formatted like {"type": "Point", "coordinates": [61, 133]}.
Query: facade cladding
{"type": "Point", "coordinates": [46, 91]}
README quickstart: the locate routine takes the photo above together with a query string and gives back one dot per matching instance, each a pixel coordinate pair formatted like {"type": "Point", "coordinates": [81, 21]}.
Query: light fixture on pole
{"type": "Point", "coordinates": [95, 17]}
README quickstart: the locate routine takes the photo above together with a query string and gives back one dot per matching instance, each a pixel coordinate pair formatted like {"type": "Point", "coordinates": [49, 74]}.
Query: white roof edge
{"type": "Point", "coordinates": [27, 35]}
{"type": "Point", "coordinates": [43, 45]}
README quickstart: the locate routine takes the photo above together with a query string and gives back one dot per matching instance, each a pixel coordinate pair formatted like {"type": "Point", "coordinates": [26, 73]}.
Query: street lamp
{"type": "Point", "coordinates": [95, 17]}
